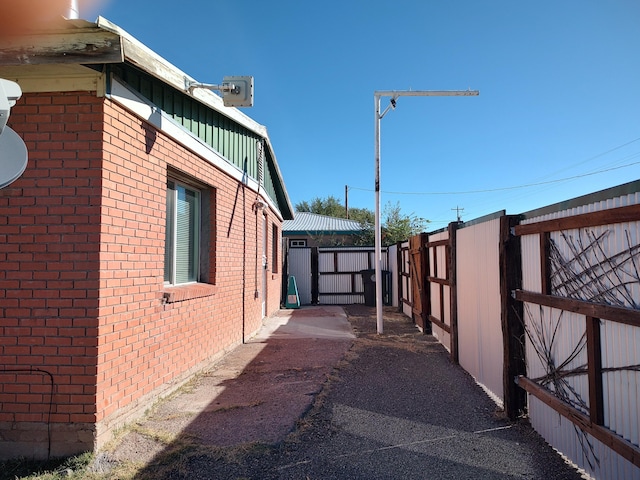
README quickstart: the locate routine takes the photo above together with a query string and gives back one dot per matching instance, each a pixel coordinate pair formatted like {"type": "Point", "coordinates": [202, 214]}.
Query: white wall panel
{"type": "Point", "coordinates": [393, 267]}
{"type": "Point", "coordinates": [300, 267]}
{"type": "Point", "coordinates": [479, 309]}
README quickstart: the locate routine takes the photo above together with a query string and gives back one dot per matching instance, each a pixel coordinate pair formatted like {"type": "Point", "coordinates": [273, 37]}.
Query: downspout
{"type": "Point", "coordinates": [244, 249]}
{"type": "Point", "coordinates": [244, 255]}
{"type": "Point", "coordinates": [256, 209]}
{"type": "Point", "coordinates": [259, 206]}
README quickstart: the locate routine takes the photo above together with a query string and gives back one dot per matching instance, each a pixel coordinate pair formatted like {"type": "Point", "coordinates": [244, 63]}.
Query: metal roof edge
{"type": "Point", "coordinates": [606, 194]}
{"type": "Point", "coordinates": [483, 219]}
{"type": "Point", "coordinates": [317, 223]}
{"type": "Point", "coordinates": [320, 232]}
{"type": "Point", "coordinates": [327, 216]}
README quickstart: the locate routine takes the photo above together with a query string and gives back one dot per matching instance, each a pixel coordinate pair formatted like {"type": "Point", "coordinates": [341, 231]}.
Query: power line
{"type": "Point", "coordinates": [500, 189]}
{"type": "Point", "coordinates": [568, 167]}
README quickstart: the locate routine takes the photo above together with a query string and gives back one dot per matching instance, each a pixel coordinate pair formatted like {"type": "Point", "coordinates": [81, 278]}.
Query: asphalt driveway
{"type": "Point", "coordinates": [317, 394]}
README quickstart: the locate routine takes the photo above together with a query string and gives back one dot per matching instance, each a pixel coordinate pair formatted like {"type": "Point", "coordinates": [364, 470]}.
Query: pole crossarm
{"type": "Point", "coordinates": [394, 94]}
{"type": "Point", "coordinates": [426, 93]}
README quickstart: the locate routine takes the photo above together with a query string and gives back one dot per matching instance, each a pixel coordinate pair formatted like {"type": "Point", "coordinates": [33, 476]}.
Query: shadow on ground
{"type": "Point", "coordinates": [317, 404]}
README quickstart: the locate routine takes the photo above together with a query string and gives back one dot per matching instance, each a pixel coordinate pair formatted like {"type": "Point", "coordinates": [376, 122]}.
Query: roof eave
{"type": "Point", "coordinates": [147, 60]}
{"type": "Point", "coordinates": [69, 42]}
{"type": "Point", "coordinates": [79, 42]}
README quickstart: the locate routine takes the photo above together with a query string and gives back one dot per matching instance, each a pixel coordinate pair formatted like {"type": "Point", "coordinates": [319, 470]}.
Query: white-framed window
{"type": "Point", "coordinates": [297, 243]}
{"type": "Point", "coordinates": [182, 241]}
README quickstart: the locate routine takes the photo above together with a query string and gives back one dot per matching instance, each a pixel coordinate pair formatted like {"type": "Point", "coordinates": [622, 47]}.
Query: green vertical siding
{"type": "Point", "coordinates": [232, 141]}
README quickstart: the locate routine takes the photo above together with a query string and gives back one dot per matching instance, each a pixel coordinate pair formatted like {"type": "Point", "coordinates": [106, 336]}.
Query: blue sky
{"type": "Point", "coordinates": [559, 90]}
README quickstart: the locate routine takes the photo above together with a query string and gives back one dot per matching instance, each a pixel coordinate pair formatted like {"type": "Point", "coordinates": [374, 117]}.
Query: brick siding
{"type": "Point", "coordinates": [82, 300]}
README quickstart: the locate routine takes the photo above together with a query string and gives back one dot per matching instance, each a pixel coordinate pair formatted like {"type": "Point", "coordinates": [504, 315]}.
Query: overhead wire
{"type": "Point", "coordinates": [513, 196]}
{"type": "Point", "coordinates": [501, 189]}
{"type": "Point", "coordinates": [543, 185]}
{"type": "Point", "coordinates": [602, 154]}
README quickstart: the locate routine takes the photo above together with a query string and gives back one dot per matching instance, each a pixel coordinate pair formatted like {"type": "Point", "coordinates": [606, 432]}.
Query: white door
{"type": "Point", "coordinates": [300, 267]}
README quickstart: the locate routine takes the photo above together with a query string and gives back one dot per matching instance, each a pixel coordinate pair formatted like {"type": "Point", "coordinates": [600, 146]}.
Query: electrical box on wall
{"type": "Point", "coordinates": [241, 95]}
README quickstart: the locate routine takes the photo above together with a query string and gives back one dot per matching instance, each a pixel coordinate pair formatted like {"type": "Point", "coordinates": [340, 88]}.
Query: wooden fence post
{"type": "Point", "coordinates": [453, 292]}
{"type": "Point", "coordinates": [315, 276]}
{"type": "Point", "coordinates": [511, 317]}
{"type": "Point", "coordinates": [399, 274]}
{"type": "Point", "coordinates": [426, 290]}
{"type": "Point", "coordinates": [594, 369]}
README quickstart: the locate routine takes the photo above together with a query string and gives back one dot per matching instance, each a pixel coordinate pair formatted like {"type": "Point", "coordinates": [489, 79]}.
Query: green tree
{"type": "Point", "coordinates": [396, 226]}
{"type": "Point", "coordinates": [329, 206]}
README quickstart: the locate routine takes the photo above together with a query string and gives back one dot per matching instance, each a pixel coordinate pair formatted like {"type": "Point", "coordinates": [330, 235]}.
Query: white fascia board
{"type": "Point", "coordinates": [148, 112]}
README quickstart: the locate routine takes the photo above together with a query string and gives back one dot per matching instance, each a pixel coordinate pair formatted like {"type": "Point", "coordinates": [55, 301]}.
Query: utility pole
{"type": "Point", "coordinates": [346, 200]}
{"type": "Point", "coordinates": [394, 95]}
{"type": "Point", "coordinates": [458, 210]}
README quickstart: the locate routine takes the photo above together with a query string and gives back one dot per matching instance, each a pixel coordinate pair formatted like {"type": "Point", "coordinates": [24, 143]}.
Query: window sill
{"type": "Point", "coordinates": [187, 292]}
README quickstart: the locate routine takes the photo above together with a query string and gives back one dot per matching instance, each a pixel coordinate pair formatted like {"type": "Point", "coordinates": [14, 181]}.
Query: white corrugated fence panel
{"type": "Point", "coordinates": [532, 276]}
{"type": "Point", "coordinates": [620, 343]}
{"type": "Point", "coordinates": [441, 254]}
{"type": "Point", "coordinates": [334, 299]}
{"type": "Point", "coordinates": [353, 261]}
{"type": "Point", "coordinates": [557, 335]}
{"type": "Point", "coordinates": [339, 278]}
{"type": "Point", "coordinates": [333, 289]}
{"type": "Point", "coordinates": [620, 348]}
{"type": "Point", "coordinates": [447, 305]}
{"type": "Point", "coordinates": [439, 333]}
{"type": "Point", "coordinates": [393, 267]}
{"type": "Point", "coordinates": [479, 309]}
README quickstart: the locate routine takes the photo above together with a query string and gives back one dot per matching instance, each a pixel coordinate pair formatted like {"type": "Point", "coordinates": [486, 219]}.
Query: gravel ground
{"type": "Point", "coordinates": [395, 407]}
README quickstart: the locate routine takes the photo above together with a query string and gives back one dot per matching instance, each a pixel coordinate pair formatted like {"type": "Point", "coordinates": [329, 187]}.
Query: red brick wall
{"type": "Point", "coordinates": [49, 251]}
{"type": "Point", "coordinates": [82, 295]}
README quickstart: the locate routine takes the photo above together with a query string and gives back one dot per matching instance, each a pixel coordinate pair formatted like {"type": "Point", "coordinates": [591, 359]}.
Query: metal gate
{"type": "Point", "coordinates": [417, 271]}
{"type": "Point", "coordinates": [428, 284]}
{"type": "Point", "coordinates": [331, 275]}
{"type": "Point", "coordinates": [441, 290]}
